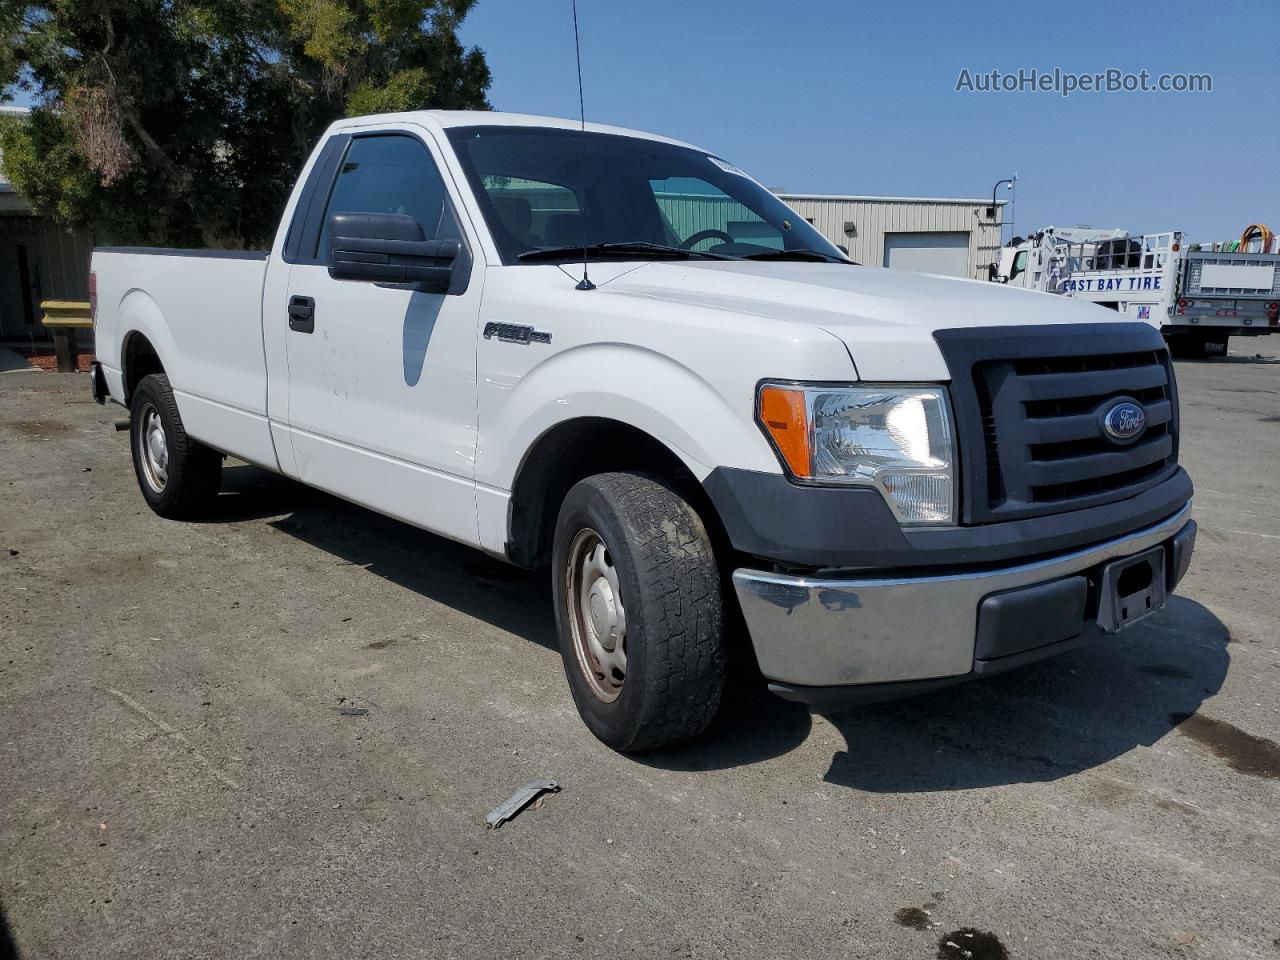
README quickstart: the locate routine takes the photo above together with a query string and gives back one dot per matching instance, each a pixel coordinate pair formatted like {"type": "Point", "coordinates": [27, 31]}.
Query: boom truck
{"type": "Point", "coordinates": [1197, 297]}
{"type": "Point", "coordinates": [618, 358]}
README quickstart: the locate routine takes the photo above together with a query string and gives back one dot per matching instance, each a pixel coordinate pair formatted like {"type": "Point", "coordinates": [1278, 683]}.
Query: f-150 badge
{"type": "Point", "coordinates": [515, 333]}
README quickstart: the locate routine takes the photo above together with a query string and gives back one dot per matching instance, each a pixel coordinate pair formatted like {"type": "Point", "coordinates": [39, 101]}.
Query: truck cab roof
{"type": "Point", "coordinates": [488, 118]}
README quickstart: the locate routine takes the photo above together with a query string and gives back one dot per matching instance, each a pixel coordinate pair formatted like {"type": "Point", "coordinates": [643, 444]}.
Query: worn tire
{"type": "Point", "coordinates": [194, 471]}
{"type": "Point", "coordinates": [671, 594]}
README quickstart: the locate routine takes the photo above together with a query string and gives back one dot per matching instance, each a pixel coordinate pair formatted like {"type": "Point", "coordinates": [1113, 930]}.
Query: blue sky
{"type": "Point", "coordinates": [827, 96]}
{"type": "Point", "coordinates": [837, 96]}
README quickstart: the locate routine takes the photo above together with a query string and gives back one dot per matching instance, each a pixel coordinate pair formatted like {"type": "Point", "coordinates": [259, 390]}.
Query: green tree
{"type": "Point", "coordinates": [185, 122]}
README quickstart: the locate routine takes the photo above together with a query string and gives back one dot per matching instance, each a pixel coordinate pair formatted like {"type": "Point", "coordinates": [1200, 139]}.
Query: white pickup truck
{"type": "Point", "coordinates": [876, 482]}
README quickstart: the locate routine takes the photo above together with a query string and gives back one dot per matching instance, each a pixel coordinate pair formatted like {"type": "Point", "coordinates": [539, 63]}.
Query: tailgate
{"type": "Point", "coordinates": [1233, 275]}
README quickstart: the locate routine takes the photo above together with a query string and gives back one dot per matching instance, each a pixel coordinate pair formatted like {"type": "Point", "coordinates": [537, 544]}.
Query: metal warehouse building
{"type": "Point", "coordinates": [958, 237]}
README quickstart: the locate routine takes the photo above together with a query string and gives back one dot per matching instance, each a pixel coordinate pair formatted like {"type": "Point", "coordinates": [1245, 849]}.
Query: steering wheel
{"type": "Point", "coordinates": [701, 235]}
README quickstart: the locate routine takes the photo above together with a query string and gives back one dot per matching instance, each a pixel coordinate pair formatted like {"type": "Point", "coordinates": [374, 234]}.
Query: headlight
{"type": "Point", "coordinates": [897, 439]}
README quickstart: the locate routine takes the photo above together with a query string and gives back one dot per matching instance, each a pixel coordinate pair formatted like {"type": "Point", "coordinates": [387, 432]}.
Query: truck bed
{"type": "Point", "coordinates": [201, 311]}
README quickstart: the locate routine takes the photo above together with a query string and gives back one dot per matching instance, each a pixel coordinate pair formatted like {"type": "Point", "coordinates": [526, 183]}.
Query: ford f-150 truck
{"type": "Point", "coordinates": [618, 357]}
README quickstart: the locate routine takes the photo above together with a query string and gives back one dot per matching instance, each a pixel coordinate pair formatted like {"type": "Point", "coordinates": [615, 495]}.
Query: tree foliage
{"type": "Point", "coordinates": [185, 122]}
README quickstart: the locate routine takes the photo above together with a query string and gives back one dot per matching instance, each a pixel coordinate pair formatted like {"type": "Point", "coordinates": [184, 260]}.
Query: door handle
{"type": "Point", "coordinates": [302, 314]}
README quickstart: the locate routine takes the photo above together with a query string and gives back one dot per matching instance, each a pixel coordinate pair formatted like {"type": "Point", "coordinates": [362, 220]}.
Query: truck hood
{"type": "Point", "coordinates": [885, 318]}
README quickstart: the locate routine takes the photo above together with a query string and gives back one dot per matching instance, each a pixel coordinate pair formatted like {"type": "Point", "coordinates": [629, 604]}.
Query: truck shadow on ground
{"type": "Point", "coordinates": [8, 949]}
{"type": "Point", "coordinates": [1046, 721]}
{"type": "Point", "coordinates": [251, 493]}
{"type": "Point", "coordinates": [1041, 723]}
{"type": "Point", "coordinates": [506, 597]}
{"type": "Point", "coordinates": [753, 725]}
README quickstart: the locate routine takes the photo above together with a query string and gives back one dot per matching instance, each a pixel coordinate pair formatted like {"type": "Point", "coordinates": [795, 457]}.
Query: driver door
{"type": "Point", "coordinates": [382, 378]}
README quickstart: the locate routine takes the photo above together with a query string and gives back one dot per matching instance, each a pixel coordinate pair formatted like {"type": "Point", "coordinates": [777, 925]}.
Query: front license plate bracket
{"type": "Point", "coordinates": [1131, 589]}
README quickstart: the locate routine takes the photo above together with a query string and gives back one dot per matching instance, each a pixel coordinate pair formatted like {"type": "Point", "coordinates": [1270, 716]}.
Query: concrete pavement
{"type": "Point", "coordinates": [180, 777]}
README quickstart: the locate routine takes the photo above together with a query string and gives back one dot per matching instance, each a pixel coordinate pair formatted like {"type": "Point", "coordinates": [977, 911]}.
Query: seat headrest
{"type": "Point", "coordinates": [563, 229]}
{"type": "Point", "coordinates": [516, 214]}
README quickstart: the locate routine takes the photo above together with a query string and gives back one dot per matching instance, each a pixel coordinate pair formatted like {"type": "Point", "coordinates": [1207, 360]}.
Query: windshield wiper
{"type": "Point", "coordinates": [816, 256]}
{"type": "Point", "coordinates": [622, 249]}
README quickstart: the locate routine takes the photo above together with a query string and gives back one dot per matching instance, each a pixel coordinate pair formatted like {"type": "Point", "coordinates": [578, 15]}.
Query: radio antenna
{"type": "Point", "coordinates": [585, 283]}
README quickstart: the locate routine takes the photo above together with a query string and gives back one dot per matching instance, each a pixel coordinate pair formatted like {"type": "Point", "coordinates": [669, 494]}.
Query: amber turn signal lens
{"type": "Point", "coordinates": [783, 415]}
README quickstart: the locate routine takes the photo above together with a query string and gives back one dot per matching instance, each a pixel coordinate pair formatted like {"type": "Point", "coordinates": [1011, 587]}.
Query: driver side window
{"type": "Point", "coordinates": [1019, 264]}
{"type": "Point", "coordinates": [390, 173]}
{"type": "Point", "coordinates": [692, 207]}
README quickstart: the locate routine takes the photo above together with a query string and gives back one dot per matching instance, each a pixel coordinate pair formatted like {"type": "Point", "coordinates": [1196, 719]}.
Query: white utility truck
{"type": "Point", "coordinates": [1227, 290]}
{"type": "Point", "coordinates": [1196, 298]}
{"type": "Point", "coordinates": [619, 358]}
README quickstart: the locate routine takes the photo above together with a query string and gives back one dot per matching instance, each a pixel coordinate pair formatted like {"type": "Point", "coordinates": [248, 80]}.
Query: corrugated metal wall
{"type": "Point", "coordinates": [873, 217]}
{"type": "Point", "coordinates": [687, 213]}
{"type": "Point", "coordinates": [57, 269]}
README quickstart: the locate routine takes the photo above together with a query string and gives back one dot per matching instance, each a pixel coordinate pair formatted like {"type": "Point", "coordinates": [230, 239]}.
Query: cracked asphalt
{"type": "Point", "coordinates": [276, 734]}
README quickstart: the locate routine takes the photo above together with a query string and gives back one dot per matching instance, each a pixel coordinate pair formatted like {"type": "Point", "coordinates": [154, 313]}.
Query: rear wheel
{"type": "Point", "coordinates": [1215, 345]}
{"type": "Point", "coordinates": [639, 611]}
{"type": "Point", "coordinates": [1192, 346]}
{"type": "Point", "coordinates": [178, 476]}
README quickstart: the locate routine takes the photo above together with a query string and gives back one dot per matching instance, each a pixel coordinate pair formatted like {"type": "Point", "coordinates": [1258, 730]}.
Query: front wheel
{"type": "Point", "coordinates": [639, 611]}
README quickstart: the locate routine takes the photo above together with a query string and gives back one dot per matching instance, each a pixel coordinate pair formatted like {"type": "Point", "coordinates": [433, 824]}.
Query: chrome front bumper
{"type": "Point", "coordinates": [820, 632]}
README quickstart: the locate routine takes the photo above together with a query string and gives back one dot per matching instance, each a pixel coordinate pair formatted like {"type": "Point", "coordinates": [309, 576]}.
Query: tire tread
{"type": "Point", "coordinates": [682, 608]}
{"type": "Point", "coordinates": [195, 470]}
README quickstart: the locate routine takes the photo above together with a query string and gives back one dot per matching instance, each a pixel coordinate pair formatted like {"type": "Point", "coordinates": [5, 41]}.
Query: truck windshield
{"type": "Point", "coordinates": [545, 189]}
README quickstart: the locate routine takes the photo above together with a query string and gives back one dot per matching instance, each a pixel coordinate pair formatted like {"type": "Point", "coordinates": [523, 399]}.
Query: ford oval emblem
{"type": "Point", "coordinates": [1124, 421]}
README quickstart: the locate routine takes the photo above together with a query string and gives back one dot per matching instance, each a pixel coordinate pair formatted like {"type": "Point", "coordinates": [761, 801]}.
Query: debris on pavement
{"type": "Point", "coordinates": [518, 801]}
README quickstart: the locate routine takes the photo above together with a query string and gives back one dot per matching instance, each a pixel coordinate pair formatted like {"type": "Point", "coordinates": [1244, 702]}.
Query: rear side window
{"type": "Point", "coordinates": [390, 174]}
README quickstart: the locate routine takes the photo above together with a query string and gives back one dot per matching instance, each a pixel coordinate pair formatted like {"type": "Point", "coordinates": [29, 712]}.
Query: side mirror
{"type": "Point", "coordinates": [842, 248]}
{"type": "Point", "coordinates": [389, 248]}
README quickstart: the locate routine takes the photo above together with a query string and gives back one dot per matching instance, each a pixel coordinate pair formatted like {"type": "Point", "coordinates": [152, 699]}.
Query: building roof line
{"type": "Point", "coordinates": [969, 201]}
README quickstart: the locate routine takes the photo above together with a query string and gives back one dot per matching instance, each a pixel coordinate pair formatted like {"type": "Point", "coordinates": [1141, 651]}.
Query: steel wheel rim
{"type": "Point", "coordinates": [597, 617]}
{"type": "Point", "coordinates": [153, 446]}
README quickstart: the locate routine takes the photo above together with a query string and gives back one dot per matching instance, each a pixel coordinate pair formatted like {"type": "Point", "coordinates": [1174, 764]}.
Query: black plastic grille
{"type": "Point", "coordinates": [1039, 406]}
{"type": "Point", "coordinates": [1086, 447]}
{"type": "Point", "coordinates": [995, 486]}
{"type": "Point", "coordinates": [1044, 409]}
{"type": "Point", "coordinates": [1055, 492]}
